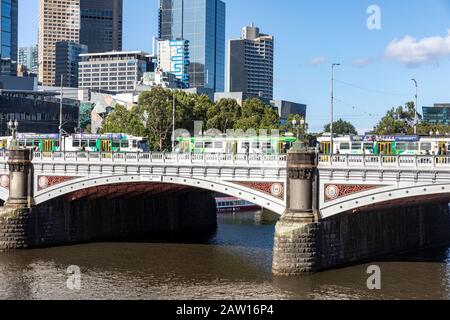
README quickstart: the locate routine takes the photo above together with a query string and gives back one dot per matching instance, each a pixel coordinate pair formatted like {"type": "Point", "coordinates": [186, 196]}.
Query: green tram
{"type": "Point", "coordinates": [83, 142]}
{"type": "Point", "coordinates": [386, 145]}
{"type": "Point", "coordinates": [235, 145]}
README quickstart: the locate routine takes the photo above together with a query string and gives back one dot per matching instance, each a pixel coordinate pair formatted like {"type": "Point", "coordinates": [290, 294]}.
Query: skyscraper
{"type": "Point", "coordinates": [8, 36]}
{"type": "Point", "coordinates": [96, 23]}
{"type": "Point", "coordinates": [67, 59]}
{"type": "Point", "coordinates": [173, 57]}
{"type": "Point", "coordinates": [29, 57]}
{"type": "Point", "coordinates": [101, 25]}
{"type": "Point", "coordinates": [250, 65]}
{"type": "Point", "coordinates": [202, 23]}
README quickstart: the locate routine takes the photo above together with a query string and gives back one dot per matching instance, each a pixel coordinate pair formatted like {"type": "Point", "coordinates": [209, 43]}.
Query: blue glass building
{"type": "Point", "coordinates": [202, 23]}
{"type": "Point", "coordinates": [8, 36]}
{"type": "Point", "coordinates": [437, 115]}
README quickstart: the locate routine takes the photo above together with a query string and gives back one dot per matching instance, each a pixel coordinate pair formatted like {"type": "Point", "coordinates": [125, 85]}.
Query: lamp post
{"type": "Point", "coordinates": [415, 107]}
{"type": "Point", "coordinates": [173, 122]}
{"type": "Point", "coordinates": [13, 126]}
{"type": "Point", "coordinates": [332, 106]}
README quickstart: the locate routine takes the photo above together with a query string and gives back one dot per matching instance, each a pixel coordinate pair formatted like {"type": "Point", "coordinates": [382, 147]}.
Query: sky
{"type": "Point", "coordinates": [379, 53]}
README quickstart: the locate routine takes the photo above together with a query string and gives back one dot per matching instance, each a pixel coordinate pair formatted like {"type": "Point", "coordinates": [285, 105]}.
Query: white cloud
{"type": "Point", "coordinates": [317, 61]}
{"type": "Point", "coordinates": [362, 62]}
{"type": "Point", "coordinates": [412, 52]}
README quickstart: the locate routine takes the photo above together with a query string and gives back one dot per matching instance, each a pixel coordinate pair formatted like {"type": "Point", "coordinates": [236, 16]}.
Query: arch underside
{"type": "Point", "coordinates": [388, 197]}
{"type": "Point", "coordinates": [127, 185]}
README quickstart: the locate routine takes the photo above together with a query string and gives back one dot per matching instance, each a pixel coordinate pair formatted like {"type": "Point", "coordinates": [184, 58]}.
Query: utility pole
{"type": "Point", "coordinates": [173, 122]}
{"type": "Point", "coordinates": [416, 118]}
{"type": "Point", "coordinates": [332, 108]}
{"type": "Point", "coordinates": [61, 114]}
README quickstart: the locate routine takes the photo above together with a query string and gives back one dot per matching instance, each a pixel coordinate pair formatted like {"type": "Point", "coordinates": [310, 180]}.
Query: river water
{"type": "Point", "coordinates": [234, 264]}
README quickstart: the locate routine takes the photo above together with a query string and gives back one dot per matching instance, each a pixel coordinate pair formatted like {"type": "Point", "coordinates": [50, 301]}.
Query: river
{"type": "Point", "coordinates": [234, 264]}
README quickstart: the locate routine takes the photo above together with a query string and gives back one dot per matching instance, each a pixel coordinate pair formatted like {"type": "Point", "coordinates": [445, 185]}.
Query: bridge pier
{"type": "Point", "coordinates": [305, 242]}
{"type": "Point", "coordinates": [295, 247]}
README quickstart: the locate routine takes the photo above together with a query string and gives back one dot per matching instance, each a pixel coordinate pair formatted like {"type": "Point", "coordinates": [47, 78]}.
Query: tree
{"type": "Point", "coordinates": [289, 127]}
{"type": "Point", "coordinates": [341, 127]}
{"type": "Point", "coordinates": [223, 115]}
{"type": "Point", "coordinates": [257, 115]}
{"type": "Point", "coordinates": [123, 121]}
{"type": "Point", "coordinates": [398, 120]}
{"type": "Point", "coordinates": [157, 105]}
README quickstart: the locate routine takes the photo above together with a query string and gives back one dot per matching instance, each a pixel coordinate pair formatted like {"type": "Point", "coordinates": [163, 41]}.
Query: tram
{"type": "Point", "coordinates": [386, 145]}
{"type": "Point", "coordinates": [80, 142]}
{"type": "Point", "coordinates": [235, 145]}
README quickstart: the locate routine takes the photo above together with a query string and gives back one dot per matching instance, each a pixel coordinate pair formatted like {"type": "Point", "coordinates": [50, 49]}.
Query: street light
{"type": "Point", "coordinates": [173, 122]}
{"type": "Point", "coordinates": [13, 126]}
{"type": "Point", "coordinates": [332, 106]}
{"type": "Point", "coordinates": [415, 107]}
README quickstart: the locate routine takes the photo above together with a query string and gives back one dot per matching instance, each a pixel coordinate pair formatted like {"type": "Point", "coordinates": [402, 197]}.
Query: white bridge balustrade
{"type": "Point", "coordinates": [258, 178]}
{"type": "Point", "coordinates": [355, 182]}
{"type": "Point", "coordinates": [166, 158]}
{"type": "Point", "coordinates": [347, 182]}
{"type": "Point", "coordinates": [398, 161]}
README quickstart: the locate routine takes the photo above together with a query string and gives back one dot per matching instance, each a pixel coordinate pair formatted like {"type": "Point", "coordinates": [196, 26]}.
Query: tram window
{"type": "Point", "coordinates": [198, 145]}
{"type": "Point", "coordinates": [126, 144]}
{"type": "Point", "coordinates": [413, 146]}
{"type": "Point", "coordinates": [218, 145]}
{"type": "Point", "coordinates": [36, 143]}
{"type": "Point", "coordinates": [345, 146]}
{"type": "Point", "coordinates": [76, 143]}
{"type": "Point", "coordinates": [116, 144]}
{"type": "Point", "coordinates": [92, 143]}
{"type": "Point", "coordinates": [29, 143]}
{"type": "Point", "coordinates": [84, 143]}
{"type": "Point", "coordinates": [401, 146]}
{"type": "Point", "coordinates": [209, 145]}
{"type": "Point", "coordinates": [266, 145]}
{"type": "Point", "coordinates": [368, 146]}
{"type": "Point", "coordinates": [425, 147]}
{"type": "Point", "coordinates": [134, 144]}
{"type": "Point", "coordinates": [255, 145]}
{"type": "Point", "coordinates": [356, 146]}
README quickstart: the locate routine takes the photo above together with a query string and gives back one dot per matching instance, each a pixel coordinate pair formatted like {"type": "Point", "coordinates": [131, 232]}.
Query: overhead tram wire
{"type": "Point", "coordinates": [372, 90]}
{"type": "Point", "coordinates": [366, 114]}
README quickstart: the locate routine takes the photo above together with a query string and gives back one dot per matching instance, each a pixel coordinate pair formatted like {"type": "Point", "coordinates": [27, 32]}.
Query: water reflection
{"type": "Point", "coordinates": [234, 264]}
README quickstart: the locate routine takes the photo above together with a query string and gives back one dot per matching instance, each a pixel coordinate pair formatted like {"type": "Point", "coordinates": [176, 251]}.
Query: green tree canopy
{"type": "Point", "coordinates": [398, 120]}
{"type": "Point", "coordinates": [123, 121]}
{"type": "Point", "coordinates": [223, 115]}
{"type": "Point", "coordinates": [156, 107]}
{"type": "Point", "coordinates": [257, 115]}
{"type": "Point", "coordinates": [341, 127]}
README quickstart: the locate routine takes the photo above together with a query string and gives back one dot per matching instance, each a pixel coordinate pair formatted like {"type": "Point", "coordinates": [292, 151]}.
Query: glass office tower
{"type": "Point", "coordinates": [101, 25]}
{"type": "Point", "coordinates": [8, 36]}
{"type": "Point", "coordinates": [202, 23]}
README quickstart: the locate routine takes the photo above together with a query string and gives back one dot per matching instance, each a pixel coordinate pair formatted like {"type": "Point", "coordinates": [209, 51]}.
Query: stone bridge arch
{"type": "Point", "coordinates": [269, 195]}
{"type": "Point", "coordinates": [343, 198]}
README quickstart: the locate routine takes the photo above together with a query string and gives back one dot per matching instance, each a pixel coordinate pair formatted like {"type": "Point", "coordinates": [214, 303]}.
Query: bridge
{"type": "Point", "coordinates": [260, 179]}
{"type": "Point", "coordinates": [335, 210]}
{"type": "Point", "coordinates": [357, 182]}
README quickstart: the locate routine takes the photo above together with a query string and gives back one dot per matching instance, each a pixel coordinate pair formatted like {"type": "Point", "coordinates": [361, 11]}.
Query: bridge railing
{"type": "Point", "coordinates": [161, 158]}
{"type": "Point", "coordinates": [395, 161]}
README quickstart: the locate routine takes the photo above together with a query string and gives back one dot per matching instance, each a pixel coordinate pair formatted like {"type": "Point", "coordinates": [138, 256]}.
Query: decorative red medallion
{"type": "Point", "coordinates": [336, 191]}
{"type": "Point", "coordinates": [274, 189]}
{"type": "Point", "coordinates": [45, 182]}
